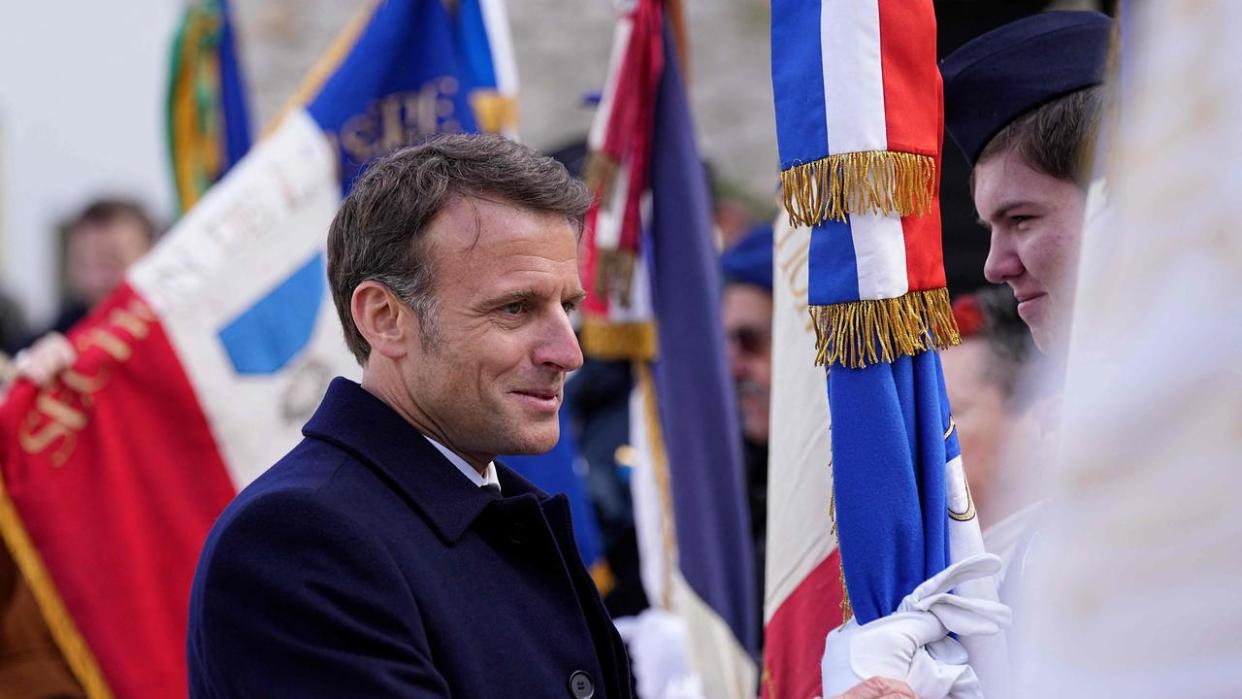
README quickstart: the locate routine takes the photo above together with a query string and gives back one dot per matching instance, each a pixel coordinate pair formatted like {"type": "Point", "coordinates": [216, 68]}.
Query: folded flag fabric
{"type": "Point", "coordinates": [859, 126]}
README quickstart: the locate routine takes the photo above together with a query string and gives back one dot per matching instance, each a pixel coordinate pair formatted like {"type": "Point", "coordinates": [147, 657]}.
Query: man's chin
{"type": "Point", "coordinates": [534, 442]}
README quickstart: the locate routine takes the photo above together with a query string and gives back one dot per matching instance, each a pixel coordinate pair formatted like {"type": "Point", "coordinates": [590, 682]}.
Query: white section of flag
{"type": "Point", "coordinates": [725, 668]}
{"type": "Point", "coordinates": [853, 76]}
{"type": "Point", "coordinates": [250, 232]}
{"type": "Point", "coordinates": [500, 41]}
{"type": "Point", "coordinates": [620, 41]}
{"type": "Point", "coordinates": [800, 533]}
{"type": "Point", "coordinates": [879, 256]}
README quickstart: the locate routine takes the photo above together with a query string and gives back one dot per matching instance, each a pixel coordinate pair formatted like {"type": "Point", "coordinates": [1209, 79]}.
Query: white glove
{"type": "Point", "coordinates": [45, 359]}
{"type": "Point", "coordinates": [913, 643]}
{"type": "Point", "coordinates": [658, 644]}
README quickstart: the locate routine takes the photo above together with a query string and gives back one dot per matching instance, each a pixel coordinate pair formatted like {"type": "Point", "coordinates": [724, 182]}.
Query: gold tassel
{"type": "Point", "coordinates": [866, 182]}
{"type": "Point", "coordinates": [494, 111]}
{"type": "Point", "coordinates": [613, 341]}
{"type": "Point", "coordinates": [859, 333]}
{"type": "Point", "coordinates": [601, 174]}
{"type": "Point", "coordinates": [614, 271]}
{"type": "Point", "coordinates": [847, 609]}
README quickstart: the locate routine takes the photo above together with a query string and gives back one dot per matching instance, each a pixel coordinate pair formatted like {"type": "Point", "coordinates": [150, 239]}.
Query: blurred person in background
{"type": "Point", "coordinates": [984, 379]}
{"type": "Point", "coordinates": [100, 244]}
{"type": "Point", "coordinates": [746, 313]}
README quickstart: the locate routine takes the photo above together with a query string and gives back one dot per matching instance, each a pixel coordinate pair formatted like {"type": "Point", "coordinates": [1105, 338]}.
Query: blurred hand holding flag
{"type": "Point", "coordinates": [859, 123]}
{"type": "Point", "coordinates": [198, 372]}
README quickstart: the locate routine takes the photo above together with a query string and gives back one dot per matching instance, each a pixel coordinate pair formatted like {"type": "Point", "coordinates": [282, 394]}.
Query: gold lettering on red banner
{"type": "Point", "coordinates": [62, 408]}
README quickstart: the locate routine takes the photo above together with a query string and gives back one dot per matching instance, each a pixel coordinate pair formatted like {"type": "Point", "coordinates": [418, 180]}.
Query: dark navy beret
{"type": "Point", "coordinates": [750, 260]}
{"type": "Point", "coordinates": [995, 78]}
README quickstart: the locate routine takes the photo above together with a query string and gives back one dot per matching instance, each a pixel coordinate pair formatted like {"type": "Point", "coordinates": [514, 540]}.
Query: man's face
{"type": "Point", "coordinates": [747, 315]}
{"type": "Point", "coordinates": [491, 375]}
{"type": "Point", "coordinates": [97, 256]}
{"type": "Point", "coordinates": [1036, 223]}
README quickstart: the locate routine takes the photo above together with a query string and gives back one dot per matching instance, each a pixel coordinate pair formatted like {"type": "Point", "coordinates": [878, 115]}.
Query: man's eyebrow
{"type": "Point", "coordinates": [508, 297]}
{"type": "Point", "coordinates": [1002, 212]}
{"type": "Point", "coordinates": [577, 297]}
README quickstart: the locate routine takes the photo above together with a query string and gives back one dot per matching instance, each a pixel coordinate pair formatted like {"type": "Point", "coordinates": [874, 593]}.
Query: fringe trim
{"type": "Point", "coordinates": [615, 341]}
{"type": "Point", "coordinates": [614, 272]}
{"type": "Point", "coordinates": [494, 112]}
{"type": "Point", "coordinates": [859, 333]}
{"type": "Point", "coordinates": [847, 609]}
{"type": "Point", "coordinates": [601, 174]}
{"type": "Point", "coordinates": [68, 639]}
{"type": "Point", "coordinates": [866, 182]}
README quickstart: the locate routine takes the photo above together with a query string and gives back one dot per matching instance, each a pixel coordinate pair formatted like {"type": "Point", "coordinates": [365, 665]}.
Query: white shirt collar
{"type": "Point", "coordinates": [488, 477]}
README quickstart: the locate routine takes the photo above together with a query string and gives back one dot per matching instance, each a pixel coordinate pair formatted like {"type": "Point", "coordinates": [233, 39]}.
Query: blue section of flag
{"type": "Point", "coordinates": [473, 47]}
{"type": "Point", "coordinates": [400, 84]}
{"type": "Point", "coordinates": [232, 95]}
{"type": "Point", "coordinates": [832, 273]}
{"type": "Point", "coordinates": [555, 472]}
{"type": "Point", "coordinates": [798, 83]}
{"type": "Point", "coordinates": [696, 401]}
{"type": "Point", "coordinates": [889, 455]}
{"type": "Point", "coordinates": [269, 334]}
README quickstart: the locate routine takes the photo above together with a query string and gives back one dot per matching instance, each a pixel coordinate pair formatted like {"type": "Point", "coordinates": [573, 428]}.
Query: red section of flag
{"type": "Point", "coordinates": [914, 118]}
{"type": "Point", "coordinates": [116, 478]}
{"type": "Point", "coordinates": [924, 251]}
{"type": "Point", "coordinates": [794, 637]}
{"type": "Point", "coordinates": [913, 92]}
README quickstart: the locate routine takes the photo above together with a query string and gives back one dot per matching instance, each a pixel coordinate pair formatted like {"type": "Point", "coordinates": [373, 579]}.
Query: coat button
{"type": "Point", "coordinates": [517, 533]}
{"type": "Point", "coordinates": [581, 686]}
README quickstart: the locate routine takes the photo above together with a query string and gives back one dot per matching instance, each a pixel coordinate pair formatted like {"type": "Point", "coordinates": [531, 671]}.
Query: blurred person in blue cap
{"type": "Point", "coordinates": [746, 313]}
{"type": "Point", "coordinates": [1023, 103]}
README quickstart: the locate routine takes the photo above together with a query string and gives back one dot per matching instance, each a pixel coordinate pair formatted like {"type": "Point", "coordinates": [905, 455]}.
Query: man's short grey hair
{"type": "Point", "coordinates": [378, 233]}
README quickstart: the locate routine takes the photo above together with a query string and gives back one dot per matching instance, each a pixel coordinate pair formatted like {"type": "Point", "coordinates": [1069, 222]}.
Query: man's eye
{"type": "Point", "coordinates": [1021, 221]}
{"type": "Point", "coordinates": [514, 309]}
{"type": "Point", "coordinates": [570, 306]}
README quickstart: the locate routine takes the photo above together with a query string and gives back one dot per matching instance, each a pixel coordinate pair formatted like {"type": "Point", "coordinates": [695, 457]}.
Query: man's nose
{"type": "Point", "coordinates": [1002, 263]}
{"type": "Point", "coordinates": [558, 346]}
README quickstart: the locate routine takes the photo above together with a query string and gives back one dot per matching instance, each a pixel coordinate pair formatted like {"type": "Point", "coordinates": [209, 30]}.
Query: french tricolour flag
{"type": "Point", "coordinates": [859, 121]}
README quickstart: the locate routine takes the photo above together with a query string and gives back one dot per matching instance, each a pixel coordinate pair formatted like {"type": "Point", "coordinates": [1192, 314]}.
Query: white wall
{"type": "Point", "coordinates": [81, 114]}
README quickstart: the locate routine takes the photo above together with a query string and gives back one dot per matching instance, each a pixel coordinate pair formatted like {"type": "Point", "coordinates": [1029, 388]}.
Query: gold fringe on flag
{"type": "Point", "coordinates": [494, 112]}
{"type": "Point", "coordinates": [847, 609]}
{"type": "Point", "coordinates": [614, 272]}
{"type": "Point", "coordinates": [614, 341]}
{"type": "Point", "coordinates": [859, 333]}
{"type": "Point", "coordinates": [866, 182]}
{"type": "Point", "coordinates": [601, 173]}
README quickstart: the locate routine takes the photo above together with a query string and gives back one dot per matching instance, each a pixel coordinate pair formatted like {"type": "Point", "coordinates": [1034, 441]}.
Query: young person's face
{"type": "Point", "coordinates": [1036, 223]}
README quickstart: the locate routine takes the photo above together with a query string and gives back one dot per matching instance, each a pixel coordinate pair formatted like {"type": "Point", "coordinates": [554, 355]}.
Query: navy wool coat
{"type": "Point", "coordinates": [364, 564]}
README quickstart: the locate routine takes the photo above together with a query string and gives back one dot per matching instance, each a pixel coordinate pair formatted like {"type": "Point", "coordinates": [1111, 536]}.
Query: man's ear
{"type": "Point", "coordinates": [381, 318]}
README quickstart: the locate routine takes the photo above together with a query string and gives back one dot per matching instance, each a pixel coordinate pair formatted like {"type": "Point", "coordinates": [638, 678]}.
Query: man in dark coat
{"type": "Point", "coordinates": [389, 555]}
